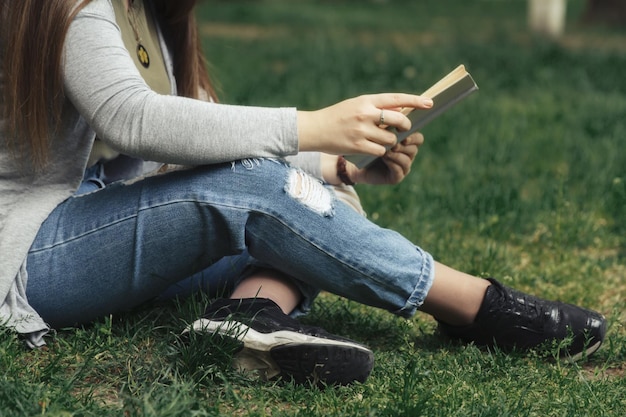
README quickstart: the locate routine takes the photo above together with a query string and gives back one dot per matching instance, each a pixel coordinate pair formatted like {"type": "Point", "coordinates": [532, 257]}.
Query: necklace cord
{"type": "Point", "coordinates": [142, 53]}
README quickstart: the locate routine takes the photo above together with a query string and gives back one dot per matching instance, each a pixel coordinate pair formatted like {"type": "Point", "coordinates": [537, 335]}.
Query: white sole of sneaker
{"type": "Point", "coordinates": [590, 349]}
{"type": "Point", "coordinates": [297, 355]}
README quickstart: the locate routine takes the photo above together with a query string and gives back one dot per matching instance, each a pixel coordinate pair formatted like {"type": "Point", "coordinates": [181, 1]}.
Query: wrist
{"type": "Point", "coordinates": [333, 165]}
{"type": "Point", "coordinates": [308, 131]}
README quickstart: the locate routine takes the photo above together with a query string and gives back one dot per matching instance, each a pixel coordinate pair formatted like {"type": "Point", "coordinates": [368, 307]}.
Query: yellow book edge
{"type": "Point", "coordinates": [443, 84]}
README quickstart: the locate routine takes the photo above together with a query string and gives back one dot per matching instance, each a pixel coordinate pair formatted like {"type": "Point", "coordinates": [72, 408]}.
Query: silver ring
{"type": "Point", "coordinates": [381, 120]}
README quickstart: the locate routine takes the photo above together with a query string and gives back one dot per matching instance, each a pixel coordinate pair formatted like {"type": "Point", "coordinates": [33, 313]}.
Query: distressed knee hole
{"type": "Point", "coordinates": [310, 192]}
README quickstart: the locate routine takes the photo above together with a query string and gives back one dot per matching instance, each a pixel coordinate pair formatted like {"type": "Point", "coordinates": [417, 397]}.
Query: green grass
{"type": "Point", "coordinates": [525, 180]}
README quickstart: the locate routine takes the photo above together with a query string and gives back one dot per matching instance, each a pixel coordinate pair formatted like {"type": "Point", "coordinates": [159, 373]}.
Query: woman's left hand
{"type": "Point", "coordinates": [391, 168]}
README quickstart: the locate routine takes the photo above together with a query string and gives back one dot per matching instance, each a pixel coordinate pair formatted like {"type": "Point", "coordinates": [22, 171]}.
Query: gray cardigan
{"type": "Point", "coordinates": [106, 96]}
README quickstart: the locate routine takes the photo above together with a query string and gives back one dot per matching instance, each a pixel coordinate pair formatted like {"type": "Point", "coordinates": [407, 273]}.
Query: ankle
{"type": "Point", "coordinates": [456, 305]}
{"type": "Point", "coordinates": [455, 318]}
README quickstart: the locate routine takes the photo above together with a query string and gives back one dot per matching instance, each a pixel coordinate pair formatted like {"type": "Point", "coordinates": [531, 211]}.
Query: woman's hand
{"type": "Point", "coordinates": [393, 167]}
{"type": "Point", "coordinates": [353, 126]}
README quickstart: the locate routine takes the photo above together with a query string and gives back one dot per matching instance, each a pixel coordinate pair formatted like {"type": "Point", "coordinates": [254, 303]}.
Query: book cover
{"type": "Point", "coordinates": [445, 93]}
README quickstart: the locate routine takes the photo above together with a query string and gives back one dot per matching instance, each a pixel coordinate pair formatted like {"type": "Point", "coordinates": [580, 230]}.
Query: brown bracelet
{"type": "Point", "coordinates": [342, 172]}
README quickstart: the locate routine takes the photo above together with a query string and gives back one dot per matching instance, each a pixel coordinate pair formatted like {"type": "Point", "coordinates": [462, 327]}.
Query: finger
{"type": "Point", "coordinates": [414, 139]}
{"type": "Point", "coordinates": [398, 162]}
{"type": "Point", "coordinates": [396, 172]}
{"type": "Point", "coordinates": [410, 151]}
{"type": "Point", "coordinates": [382, 137]}
{"type": "Point", "coordinates": [407, 145]}
{"type": "Point", "coordinates": [400, 100]}
{"type": "Point", "coordinates": [386, 118]}
{"type": "Point", "coordinates": [369, 147]}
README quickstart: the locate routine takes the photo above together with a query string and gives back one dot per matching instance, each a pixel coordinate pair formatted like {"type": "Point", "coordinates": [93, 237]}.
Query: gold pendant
{"type": "Point", "coordinates": [143, 56]}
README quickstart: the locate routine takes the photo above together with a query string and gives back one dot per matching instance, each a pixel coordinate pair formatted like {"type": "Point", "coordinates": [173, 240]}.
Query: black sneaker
{"type": "Point", "coordinates": [277, 345]}
{"type": "Point", "coordinates": [511, 320]}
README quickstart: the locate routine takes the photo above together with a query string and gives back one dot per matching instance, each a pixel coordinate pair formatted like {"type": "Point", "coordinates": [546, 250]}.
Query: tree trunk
{"type": "Point", "coordinates": [611, 12]}
{"type": "Point", "coordinates": [547, 17]}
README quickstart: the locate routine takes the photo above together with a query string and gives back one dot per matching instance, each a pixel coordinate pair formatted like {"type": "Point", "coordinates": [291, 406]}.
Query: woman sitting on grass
{"type": "Point", "coordinates": [93, 89]}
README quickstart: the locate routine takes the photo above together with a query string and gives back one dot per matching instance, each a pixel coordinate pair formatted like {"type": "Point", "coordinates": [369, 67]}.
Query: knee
{"type": "Point", "coordinates": [309, 191]}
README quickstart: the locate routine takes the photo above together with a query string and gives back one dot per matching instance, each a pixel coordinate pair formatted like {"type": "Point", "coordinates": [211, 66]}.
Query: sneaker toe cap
{"type": "Point", "coordinates": [586, 329]}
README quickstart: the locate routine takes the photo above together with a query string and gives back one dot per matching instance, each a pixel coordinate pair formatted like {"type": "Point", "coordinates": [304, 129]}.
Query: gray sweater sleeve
{"type": "Point", "coordinates": [103, 84]}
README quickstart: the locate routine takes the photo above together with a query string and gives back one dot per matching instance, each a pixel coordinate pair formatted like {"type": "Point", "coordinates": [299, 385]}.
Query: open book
{"type": "Point", "coordinates": [445, 93]}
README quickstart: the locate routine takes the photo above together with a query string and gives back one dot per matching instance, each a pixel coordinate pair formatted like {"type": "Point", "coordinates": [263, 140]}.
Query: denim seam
{"type": "Point", "coordinates": [422, 288]}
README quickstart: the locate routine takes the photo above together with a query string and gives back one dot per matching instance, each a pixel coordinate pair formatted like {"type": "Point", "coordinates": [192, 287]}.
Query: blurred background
{"type": "Point", "coordinates": [525, 179]}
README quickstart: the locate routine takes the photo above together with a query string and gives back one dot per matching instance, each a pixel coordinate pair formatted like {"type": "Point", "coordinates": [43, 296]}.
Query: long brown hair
{"type": "Point", "coordinates": [32, 33]}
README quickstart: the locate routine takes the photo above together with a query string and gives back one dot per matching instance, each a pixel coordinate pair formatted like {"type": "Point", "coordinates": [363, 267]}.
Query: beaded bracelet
{"type": "Point", "coordinates": [342, 172]}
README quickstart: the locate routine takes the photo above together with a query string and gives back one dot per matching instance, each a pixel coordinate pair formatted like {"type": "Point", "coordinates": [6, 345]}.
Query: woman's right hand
{"type": "Point", "coordinates": [353, 126]}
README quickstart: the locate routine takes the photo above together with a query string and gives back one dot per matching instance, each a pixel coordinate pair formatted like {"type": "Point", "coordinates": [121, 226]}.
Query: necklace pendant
{"type": "Point", "coordinates": [143, 56]}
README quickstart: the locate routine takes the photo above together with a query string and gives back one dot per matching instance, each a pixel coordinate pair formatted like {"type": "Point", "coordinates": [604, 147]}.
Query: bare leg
{"type": "Point", "coordinates": [271, 284]}
{"type": "Point", "coordinates": [455, 297]}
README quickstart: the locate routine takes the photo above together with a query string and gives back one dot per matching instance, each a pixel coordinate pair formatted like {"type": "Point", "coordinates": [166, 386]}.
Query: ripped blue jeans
{"type": "Point", "coordinates": [108, 251]}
